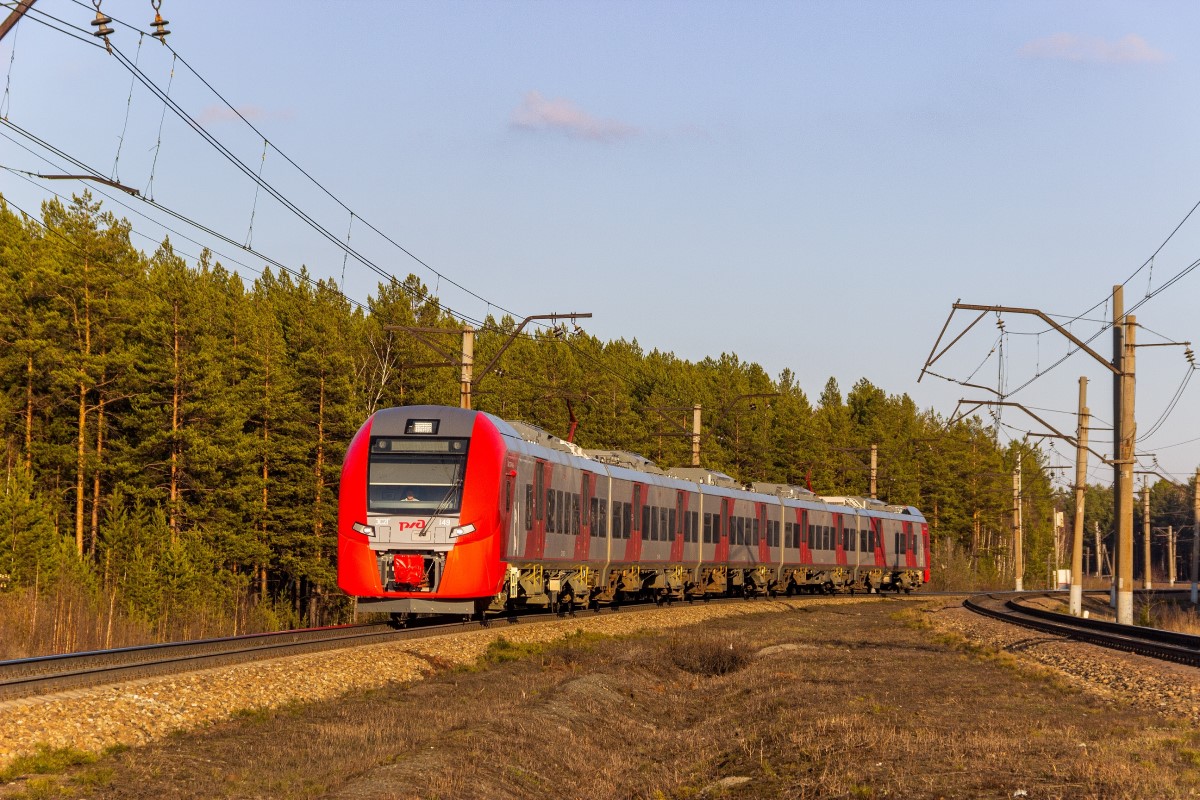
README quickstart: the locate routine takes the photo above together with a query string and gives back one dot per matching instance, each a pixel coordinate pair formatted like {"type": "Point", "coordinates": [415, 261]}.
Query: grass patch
{"type": "Point", "coordinates": [707, 653]}
{"type": "Point", "coordinates": [502, 650]}
{"type": "Point", "coordinates": [46, 761]}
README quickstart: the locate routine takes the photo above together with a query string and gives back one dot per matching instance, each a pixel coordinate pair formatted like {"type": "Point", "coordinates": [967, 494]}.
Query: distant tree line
{"type": "Point", "coordinates": [173, 435]}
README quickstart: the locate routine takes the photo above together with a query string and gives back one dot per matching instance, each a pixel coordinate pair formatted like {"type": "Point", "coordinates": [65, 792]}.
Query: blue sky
{"type": "Point", "coordinates": [809, 185]}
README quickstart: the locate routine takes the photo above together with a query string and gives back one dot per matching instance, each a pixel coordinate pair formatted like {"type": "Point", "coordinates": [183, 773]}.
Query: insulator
{"type": "Point", "coordinates": [100, 23]}
{"type": "Point", "coordinates": [160, 28]}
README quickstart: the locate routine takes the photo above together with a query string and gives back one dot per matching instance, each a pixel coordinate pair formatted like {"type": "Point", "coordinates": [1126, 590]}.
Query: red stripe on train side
{"type": "Point", "coordinates": [925, 539]}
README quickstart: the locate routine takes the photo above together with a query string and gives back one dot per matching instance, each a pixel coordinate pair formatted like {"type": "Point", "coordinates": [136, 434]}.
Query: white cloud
{"type": "Point", "coordinates": [537, 113]}
{"type": "Point", "coordinates": [1129, 49]}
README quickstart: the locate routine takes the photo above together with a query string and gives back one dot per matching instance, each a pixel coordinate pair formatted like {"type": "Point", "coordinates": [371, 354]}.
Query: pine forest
{"type": "Point", "coordinates": [173, 434]}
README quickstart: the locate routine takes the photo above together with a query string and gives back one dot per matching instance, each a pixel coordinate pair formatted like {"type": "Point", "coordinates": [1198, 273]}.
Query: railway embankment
{"type": "Point", "coordinates": [139, 711]}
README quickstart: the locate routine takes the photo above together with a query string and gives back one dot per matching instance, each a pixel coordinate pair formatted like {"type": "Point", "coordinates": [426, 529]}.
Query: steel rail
{"type": "Point", "coordinates": [1181, 648]}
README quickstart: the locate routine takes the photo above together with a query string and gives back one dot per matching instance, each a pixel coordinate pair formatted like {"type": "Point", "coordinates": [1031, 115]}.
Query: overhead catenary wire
{"type": "Point", "coordinates": [216, 144]}
{"type": "Point", "coordinates": [318, 184]}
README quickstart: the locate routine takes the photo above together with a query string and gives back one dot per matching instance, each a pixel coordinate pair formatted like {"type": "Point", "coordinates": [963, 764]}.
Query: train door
{"type": "Point", "coordinates": [584, 515]}
{"type": "Point", "coordinates": [722, 533]}
{"type": "Point", "coordinates": [762, 530]}
{"type": "Point", "coordinates": [679, 526]}
{"type": "Point", "coordinates": [633, 547]}
{"type": "Point", "coordinates": [839, 539]}
{"type": "Point", "coordinates": [535, 540]}
{"type": "Point", "coordinates": [910, 546]}
{"type": "Point", "coordinates": [875, 541]}
{"type": "Point", "coordinates": [508, 497]}
{"type": "Point", "coordinates": [802, 530]}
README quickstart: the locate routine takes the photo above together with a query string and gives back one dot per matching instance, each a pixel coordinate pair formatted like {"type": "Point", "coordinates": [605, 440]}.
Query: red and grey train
{"type": "Point", "coordinates": [446, 510]}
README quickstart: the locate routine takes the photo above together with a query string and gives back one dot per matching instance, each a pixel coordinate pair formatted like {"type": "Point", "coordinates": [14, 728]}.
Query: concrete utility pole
{"type": "Point", "coordinates": [1146, 577]}
{"type": "Point", "coordinates": [696, 435]}
{"type": "Point", "coordinates": [1171, 555]}
{"type": "Point", "coordinates": [1118, 314]}
{"type": "Point", "coordinates": [468, 366]}
{"type": "Point", "coordinates": [1125, 463]}
{"type": "Point", "coordinates": [1122, 366]}
{"type": "Point", "coordinates": [1081, 438]}
{"type": "Point", "coordinates": [468, 380]}
{"type": "Point", "coordinates": [874, 469]}
{"type": "Point", "coordinates": [1018, 555]}
{"type": "Point", "coordinates": [1195, 534]}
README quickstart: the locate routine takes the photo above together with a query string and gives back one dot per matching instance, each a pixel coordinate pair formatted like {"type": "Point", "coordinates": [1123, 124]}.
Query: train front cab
{"type": "Point", "coordinates": [420, 513]}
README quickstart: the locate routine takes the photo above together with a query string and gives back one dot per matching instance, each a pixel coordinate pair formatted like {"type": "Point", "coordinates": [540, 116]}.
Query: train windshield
{"type": "Point", "coordinates": [418, 477]}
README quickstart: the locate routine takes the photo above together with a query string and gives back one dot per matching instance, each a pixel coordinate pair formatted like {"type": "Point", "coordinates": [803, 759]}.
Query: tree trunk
{"type": "Point", "coordinates": [93, 532]}
{"type": "Point", "coordinates": [175, 389]}
{"type": "Point", "coordinates": [319, 471]}
{"type": "Point", "coordinates": [79, 469]}
{"type": "Point", "coordinates": [262, 571]}
{"type": "Point", "coordinates": [29, 414]}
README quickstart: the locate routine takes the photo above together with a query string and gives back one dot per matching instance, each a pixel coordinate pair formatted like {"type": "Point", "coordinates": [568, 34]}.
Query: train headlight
{"type": "Point", "coordinates": [462, 530]}
{"type": "Point", "coordinates": [365, 530]}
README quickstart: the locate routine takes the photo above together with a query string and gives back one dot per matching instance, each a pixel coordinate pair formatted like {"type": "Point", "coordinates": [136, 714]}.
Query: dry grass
{"type": "Point", "coordinates": [708, 653]}
{"type": "Point", "coordinates": [69, 618]}
{"type": "Point", "coordinates": [841, 701]}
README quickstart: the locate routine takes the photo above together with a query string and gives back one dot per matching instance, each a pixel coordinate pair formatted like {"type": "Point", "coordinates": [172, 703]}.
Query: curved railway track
{"type": "Point", "coordinates": [1181, 648]}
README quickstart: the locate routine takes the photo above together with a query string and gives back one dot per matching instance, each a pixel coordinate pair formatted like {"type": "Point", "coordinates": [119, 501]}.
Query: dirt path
{"type": "Point", "coordinates": [832, 701]}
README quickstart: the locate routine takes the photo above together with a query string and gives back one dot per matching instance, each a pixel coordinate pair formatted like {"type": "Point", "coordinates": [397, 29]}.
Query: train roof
{"type": "Point", "coordinates": [632, 466]}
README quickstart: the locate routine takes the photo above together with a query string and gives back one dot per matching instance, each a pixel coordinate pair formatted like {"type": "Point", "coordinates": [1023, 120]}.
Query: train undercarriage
{"type": "Point", "coordinates": [565, 589]}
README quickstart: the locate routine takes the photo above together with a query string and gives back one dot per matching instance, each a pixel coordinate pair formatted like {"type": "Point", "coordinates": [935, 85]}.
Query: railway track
{"type": "Point", "coordinates": [39, 675]}
{"type": "Point", "coordinates": [1181, 648]}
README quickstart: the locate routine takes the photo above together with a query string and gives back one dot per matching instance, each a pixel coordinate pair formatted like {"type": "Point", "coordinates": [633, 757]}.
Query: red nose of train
{"type": "Point", "coordinates": [419, 511]}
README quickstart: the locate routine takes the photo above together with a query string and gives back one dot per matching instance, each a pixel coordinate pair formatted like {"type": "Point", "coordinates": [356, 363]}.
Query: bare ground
{"type": "Point", "coordinates": [856, 701]}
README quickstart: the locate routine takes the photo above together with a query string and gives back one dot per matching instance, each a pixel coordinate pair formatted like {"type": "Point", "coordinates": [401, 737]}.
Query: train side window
{"type": "Point", "coordinates": [645, 523]}
{"type": "Point", "coordinates": [716, 534]}
{"type": "Point", "coordinates": [828, 538]}
{"type": "Point", "coordinates": [672, 521]}
{"type": "Point", "coordinates": [708, 528]}
{"type": "Point", "coordinates": [529, 506]}
{"type": "Point", "coordinates": [593, 516]}
{"type": "Point", "coordinates": [653, 526]}
{"type": "Point", "coordinates": [695, 519]}
{"type": "Point", "coordinates": [626, 520]}
{"type": "Point", "coordinates": [601, 527]}
{"type": "Point", "coordinates": [575, 514]}
{"type": "Point", "coordinates": [755, 540]}
{"type": "Point", "coordinates": [896, 540]}
{"type": "Point", "coordinates": [560, 514]}
{"type": "Point", "coordinates": [550, 510]}
{"type": "Point", "coordinates": [862, 540]}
